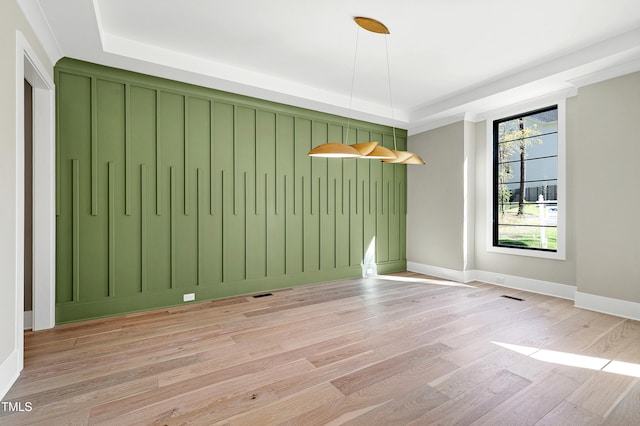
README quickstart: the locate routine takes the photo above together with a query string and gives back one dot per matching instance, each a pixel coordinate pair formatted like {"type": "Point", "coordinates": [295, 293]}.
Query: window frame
{"type": "Point", "coordinates": [521, 110]}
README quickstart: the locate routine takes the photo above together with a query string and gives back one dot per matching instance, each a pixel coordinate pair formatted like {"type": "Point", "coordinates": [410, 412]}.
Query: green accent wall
{"type": "Point", "coordinates": [165, 188]}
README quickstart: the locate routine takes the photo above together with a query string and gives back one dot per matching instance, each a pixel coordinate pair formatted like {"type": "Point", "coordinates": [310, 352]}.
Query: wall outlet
{"type": "Point", "coordinates": [500, 279]}
{"type": "Point", "coordinates": [188, 297]}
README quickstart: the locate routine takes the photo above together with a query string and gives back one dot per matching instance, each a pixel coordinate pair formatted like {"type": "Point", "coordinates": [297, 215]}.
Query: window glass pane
{"type": "Point", "coordinates": [528, 237]}
{"type": "Point", "coordinates": [541, 213]}
{"type": "Point", "coordinates": [542, 146]}
{"type": "Point", "coordinates": [507, 128]}
{"type": "Point", "coordinates": [538, 169]}
{"type": "Point", "coordinates": [543, 122]}
{"type": "Point", "coordinates": [508, 151]}
{"type": "Point", "coordinates": [534, 147]}
{"type": "Point", "coordinates": [532, 191]}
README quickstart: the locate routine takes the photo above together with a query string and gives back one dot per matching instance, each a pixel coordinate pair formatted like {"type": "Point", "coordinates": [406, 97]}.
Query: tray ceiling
{"type": "Point", "coordinates": [447, 59]}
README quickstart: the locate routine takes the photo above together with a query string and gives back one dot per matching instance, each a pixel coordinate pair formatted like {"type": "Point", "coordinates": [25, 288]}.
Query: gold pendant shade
{"type": "Point", "coordinates": [400, 157]}
{"type": "Point", "coordinates": [381, 153]}
{"type": "Point", "coordinates": [405, 157]}
{"type": "Point", "coordinates": [374, 151]}
{"type": "Point", "coordinates": [414, 159]}
{"type": "Point", "coordinates": [334, 150]}
{"type": "Point", "coordinates": [365, 148]}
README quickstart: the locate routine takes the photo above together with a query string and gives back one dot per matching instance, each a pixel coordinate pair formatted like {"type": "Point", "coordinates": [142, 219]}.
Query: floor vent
{"type": "Point", "coordinates": [512, 297]}
{"type": "Point", "coordinates": [262, 295]}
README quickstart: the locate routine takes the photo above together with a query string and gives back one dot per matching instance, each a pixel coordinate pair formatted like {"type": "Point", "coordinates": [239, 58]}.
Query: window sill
{"type": "Point", "coordinates": [554, 255]}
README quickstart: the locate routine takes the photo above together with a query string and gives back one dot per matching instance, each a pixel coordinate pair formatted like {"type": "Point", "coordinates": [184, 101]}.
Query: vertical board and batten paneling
{"type": "Point", "coordinates": [165, 188]}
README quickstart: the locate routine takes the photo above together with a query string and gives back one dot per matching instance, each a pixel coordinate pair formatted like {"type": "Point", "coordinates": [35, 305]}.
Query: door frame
{"type": "Point", "coordinates": [30, 68]}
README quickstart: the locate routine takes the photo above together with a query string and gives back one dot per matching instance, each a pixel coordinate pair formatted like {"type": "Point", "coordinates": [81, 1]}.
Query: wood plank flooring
{"type": "Point", "coordinates": [394, 350]}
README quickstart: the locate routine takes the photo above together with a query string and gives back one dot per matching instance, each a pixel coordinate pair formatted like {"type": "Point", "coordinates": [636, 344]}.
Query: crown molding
{"type": "Point", "coordinates": [34, 15]}
{"type": "Point", "coordinates": [436, 123]}
{"type": "Point", "coordinates": [606, 74]}
{"type": "Point", "coordinates": [531, 104]}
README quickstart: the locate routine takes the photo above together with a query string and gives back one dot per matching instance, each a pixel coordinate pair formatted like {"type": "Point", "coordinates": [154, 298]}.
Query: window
{"type": "Point", "coordinates": [526, 181]}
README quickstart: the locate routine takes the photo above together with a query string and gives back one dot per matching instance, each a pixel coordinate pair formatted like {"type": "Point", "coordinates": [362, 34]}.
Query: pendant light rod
{"type": "Point", "coordinates": [353, 79]}
{"type": "Point", "coordinates": [341, 149]}
{"type": "Point", "coordinates": [393, 127]}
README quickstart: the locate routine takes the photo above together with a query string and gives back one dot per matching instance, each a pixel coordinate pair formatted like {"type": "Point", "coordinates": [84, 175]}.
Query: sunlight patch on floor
{"type": "Point", "coordinates": [626, 368]}
{"type": "Point", "coordinates": [420, 280]}
{"type": "Point", "coordinates": [575, 360]}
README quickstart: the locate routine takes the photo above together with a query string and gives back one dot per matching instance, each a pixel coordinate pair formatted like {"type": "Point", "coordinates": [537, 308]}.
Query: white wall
{"type": "Point", "coordinates": [11, 262]}
{"type": "Point", "coordinates": [469, 197]}
{"type": "Point", "coordinates": [435, 198]}
{"type": "Point", "coordinates": [607, 190]}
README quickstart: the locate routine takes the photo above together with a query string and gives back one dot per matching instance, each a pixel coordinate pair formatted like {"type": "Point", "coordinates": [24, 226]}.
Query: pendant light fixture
{"type": "Point", "coordinates": [367, 150]}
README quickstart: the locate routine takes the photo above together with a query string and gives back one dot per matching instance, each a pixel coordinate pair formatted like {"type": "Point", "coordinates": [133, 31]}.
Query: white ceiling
{"type": "Point", "coordinates": [447, 58]}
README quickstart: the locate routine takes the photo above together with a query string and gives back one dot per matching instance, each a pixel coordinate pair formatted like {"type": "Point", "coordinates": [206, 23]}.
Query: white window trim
{"type": "Point", "coordinates": [560, 253]}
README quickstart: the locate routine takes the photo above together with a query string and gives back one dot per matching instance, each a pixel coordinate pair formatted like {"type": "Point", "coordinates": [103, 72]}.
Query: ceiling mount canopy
{"type": "Point", "coordinates": [368, 150]}
{"type": "Point", "coordinates": [372, 25]}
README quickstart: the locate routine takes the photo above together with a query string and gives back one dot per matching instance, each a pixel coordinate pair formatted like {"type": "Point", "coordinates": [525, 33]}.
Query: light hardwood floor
{"type": "Point", "coordinates": [405, 349]}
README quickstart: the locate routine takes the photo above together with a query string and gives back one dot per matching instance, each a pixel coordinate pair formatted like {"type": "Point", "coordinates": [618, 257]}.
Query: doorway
{"type": "Point", "coordinates": [28, 205]}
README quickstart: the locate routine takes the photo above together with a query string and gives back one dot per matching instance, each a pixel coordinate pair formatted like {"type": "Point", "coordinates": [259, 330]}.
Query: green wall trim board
{"type": "Point", "coordinates": [165, 188]}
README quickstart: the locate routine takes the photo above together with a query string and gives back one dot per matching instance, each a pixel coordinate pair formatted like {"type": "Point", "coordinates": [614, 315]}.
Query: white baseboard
{"type": "Point", "coordinates": [9, 372]}
{"type": "Point", "coordinates": [608, 305]}
{"type": "Point", "coordinates": [592, 302]}
{"type": "Point", "coordinates": [436, 271]}
{"type": "Point", "coordinates": [548, 288]}
{"type": "Point", "coordinates": [563, 291]}
{"type": "Point", "coordinates": [28, 320]}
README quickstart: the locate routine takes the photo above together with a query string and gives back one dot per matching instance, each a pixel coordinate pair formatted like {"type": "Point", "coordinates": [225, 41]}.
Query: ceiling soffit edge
{"type": "Point", "coordinates": [476, 113]}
